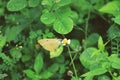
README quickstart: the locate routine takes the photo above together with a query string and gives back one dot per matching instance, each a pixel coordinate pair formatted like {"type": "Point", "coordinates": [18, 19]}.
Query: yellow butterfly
{"type": "Point", "coordinates": [52, 44]}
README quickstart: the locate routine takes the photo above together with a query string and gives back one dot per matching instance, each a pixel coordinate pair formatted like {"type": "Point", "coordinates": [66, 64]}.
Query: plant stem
{"type": "Point", "coordinates": [86, 27]}
{"type": "Point", "coordinates": [72, 62]}
{"type": "Point", "coordinates": [74, 57]}
{"type": "Point", "coordinates": [112, 75]}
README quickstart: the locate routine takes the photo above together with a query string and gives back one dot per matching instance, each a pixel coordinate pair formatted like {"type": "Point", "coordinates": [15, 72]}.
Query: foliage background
{"type": "Point", "coordinates": [92, 26]}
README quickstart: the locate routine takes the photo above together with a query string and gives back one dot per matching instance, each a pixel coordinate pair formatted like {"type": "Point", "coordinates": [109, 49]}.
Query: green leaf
{"type": "Point", "coordinates": [46, 74]}
{"type": "Point", "coordinates": [47, 30]}
{"type": "Point", "coordinates": [29, 73]}
{"type": "Point", "coordinates": [15, 75]}
{"type": "Point", "coordinates": [47, 2]}
{"type": "Point", "coordinates": [2, 41]}
{"type": "Point", "coordinates": [2, 11]}
{"type": "Point", "coordinates": [115, 61]}
{"type": "Point", "coordinates": [26, 57]}
{"type": "Point", "coordinates": [60, 3]}
{"type": "Point", "coordinates": [16, 5]}
{"type": "Point", "coordinates": [56, 52]}
{"type": "Point", "coordinates": [117, 19]}
{"type": "Point", "coordinates": [32, 34]}
{"type": "Point", "coordinates": [39, 32]}
{"type": "Point", "coordinates": [37, 78]}
{"type": "Point", "coordinates": [50, 71]}
{"type": "Point", "coordinates": [113, 32]}
{"type": "Point", "coordinates": [38, 65]}
{"type": "Point", "coordinates": [111, 8]}
{"type": "Point", "coordinates": [54, 67]}
{"type": "Point", "coordinates": [85, 58]}
{"type": "Point", "coordinates": [12, 33]}
{"type": "Point", "coordinates": [6, 60]}
{"type": "Point", "coordinates": [95, 72]}
{"type": "Point", "coordinates": [48, 17]}
{"type": "Point", "coordinates": [64, 12]}
{"type": "Point", "coordinates": [74, 78]}
{"type": "Point", "coordinates": [103, 77]}
{"type": "Point", "coordinates": [100, 44]}
{"type": "Point", "coordinates": [2, 76]}
{"type": "Point", "coordinates": [74, 16]}
{"type": "Point", "coordinates": [62, 69]}
{"type": "Point", "coordinates": [50, 35]}
{"type": "Point", "coordinates": [92, 39]}
{"type": "Point", "coordinates": [118, 78]}
{"type": "Point", "coordinates": [75, 44]}
{"type": "Point", "coordinates": [63, 25]}
{"type": "Point", "coordinates": [16, 53]}
{"type": "Point", "coordinates": [83, 5]}
{"type": "Point", "coordinates": [33, 3]}
{"type": "Point", "coordinates": [92, 62]}
{"type": "Point", "coordinates": [88, 78]}
{"type": "Point", "coordinates": [97, 4]}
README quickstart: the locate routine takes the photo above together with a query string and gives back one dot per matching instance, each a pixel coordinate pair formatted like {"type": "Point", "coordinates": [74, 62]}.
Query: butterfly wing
{"type": "Point", "coordinates": [50, 44]}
